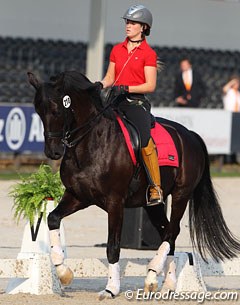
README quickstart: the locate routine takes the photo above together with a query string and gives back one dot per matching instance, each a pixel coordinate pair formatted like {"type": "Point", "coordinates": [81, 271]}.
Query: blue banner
{"type": "Point", "coordinates": [21, 129]}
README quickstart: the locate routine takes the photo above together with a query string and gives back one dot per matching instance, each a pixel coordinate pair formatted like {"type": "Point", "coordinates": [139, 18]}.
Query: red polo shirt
{"type": "Point", "coordinates": [140, 57]}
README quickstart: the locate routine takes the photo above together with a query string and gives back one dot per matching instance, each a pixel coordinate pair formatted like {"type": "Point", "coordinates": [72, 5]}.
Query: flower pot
{"type": "Point", "coordinates": [36, 237]}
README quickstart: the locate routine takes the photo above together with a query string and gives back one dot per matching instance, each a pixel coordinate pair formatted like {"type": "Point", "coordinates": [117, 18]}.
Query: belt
{"type": "Point", "coordinates": [135, 102]}
{"type": "Point", "coordinates": [136, 96]}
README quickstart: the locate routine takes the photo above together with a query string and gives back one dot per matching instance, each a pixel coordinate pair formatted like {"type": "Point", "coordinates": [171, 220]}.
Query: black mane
{"type": "Point", "coordinates": [74, 81]}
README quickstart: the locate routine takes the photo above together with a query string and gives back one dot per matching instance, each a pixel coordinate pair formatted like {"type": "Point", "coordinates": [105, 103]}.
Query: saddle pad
{"type": "Point", "coordinates": [167, 152]}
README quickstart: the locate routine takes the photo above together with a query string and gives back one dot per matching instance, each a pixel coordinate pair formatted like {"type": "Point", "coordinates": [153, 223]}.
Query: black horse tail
{"type": "Point", "coordinates": [208, 230]}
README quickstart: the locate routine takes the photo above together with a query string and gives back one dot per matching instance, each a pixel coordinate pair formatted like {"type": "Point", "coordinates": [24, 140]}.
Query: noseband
{"type": "Point", "coordinates": [53, 134]}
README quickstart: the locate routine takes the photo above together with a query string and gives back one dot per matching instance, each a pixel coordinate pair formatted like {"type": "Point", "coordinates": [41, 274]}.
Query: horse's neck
{"type": "Point", "coordinates": [103, 134]}
{"type": "Point", "coordinates": [83, 115]}
{"type": "Point", "coordinates": [99, 134]}
{"type": "Point", "coordinates": [94, 148]}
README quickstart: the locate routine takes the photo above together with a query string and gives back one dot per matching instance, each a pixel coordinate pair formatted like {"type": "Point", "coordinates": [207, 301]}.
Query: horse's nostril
{"type": "Point", "coordinates": [57, 155]}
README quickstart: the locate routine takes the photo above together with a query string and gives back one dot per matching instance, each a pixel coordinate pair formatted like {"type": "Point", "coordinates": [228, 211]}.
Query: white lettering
{"type": "Point", "coordinates": [15, 128]}
{"type": "Point", "coordinates": [1, 130]}
{"type": "Point", "coordinates": [36, 129]}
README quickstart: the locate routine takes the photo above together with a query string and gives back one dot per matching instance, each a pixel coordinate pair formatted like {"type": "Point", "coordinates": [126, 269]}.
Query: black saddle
{"type": "Point", "coordinates": [135, 135]}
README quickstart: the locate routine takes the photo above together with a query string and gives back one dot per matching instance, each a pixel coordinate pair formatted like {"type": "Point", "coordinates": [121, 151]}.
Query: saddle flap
{"type": "Point", "coordinates": [131, 137]}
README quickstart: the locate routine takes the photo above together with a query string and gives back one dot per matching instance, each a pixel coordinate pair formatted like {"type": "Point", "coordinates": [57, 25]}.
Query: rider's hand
{"type": "Point", "coordinates": [99, 86]}
{"type": "Point", "coordinates": [120, 90]}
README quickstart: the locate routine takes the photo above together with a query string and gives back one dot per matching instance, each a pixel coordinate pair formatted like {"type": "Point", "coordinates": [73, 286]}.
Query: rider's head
{"type": "Point", "coordinates": [139, 13]}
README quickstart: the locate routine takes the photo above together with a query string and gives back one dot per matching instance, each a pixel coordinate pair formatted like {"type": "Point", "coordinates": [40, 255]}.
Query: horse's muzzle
{"type": "Point", "coordinates": [54, 153]}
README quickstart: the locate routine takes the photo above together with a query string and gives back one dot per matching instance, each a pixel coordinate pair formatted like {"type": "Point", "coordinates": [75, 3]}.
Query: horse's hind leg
{"type": "Point", "coordinates": [159, 220]}
{"type": "Point", "coordinates": [68, 205]}
{"type": "Point", "coordinates": [164, 258]}
{"type": "Point", "coordinates": [173, 230]}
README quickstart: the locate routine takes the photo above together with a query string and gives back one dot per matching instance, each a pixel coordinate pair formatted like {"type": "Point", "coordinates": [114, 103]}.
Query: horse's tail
{"type": "Point", "coordinates": [208, 230]}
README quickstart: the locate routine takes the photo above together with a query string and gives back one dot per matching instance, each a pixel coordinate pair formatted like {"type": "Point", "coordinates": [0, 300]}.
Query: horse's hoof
{"type": "Point", "coordinates": [168, 286]}
{"type": "Point", "coordinates": [150, 287]}
{"type": "Point", "coordinates": [105, 294]}
{"type": "Point", "coordinates": [65, 274]}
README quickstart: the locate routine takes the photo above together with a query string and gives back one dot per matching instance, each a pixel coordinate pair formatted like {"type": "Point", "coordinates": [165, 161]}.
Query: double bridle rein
{"type": "Point", "coordinates": [66, 133]}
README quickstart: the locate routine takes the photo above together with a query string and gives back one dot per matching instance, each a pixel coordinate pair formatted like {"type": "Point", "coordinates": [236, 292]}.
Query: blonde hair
{"type": "Point", "coordinates": [235, 77]}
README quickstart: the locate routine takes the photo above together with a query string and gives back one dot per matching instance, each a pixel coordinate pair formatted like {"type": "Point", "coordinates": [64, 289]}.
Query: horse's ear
{"type": "Point", "coordinates": [33, 80]}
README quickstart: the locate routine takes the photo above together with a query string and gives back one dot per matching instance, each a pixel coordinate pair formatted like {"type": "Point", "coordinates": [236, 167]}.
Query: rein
{"type": "Point", "coordinates": [65, 135]}
{"type": "Point", "coordinates": [88, 125]}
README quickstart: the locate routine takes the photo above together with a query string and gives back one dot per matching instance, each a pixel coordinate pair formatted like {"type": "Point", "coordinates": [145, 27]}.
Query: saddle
{"type": "Point", "coordinates": [167, 152]}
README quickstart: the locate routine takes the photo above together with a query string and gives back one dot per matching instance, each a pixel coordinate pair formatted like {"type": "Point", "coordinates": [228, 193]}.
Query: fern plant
{"type": "Point", "coordinates": [30, 195]}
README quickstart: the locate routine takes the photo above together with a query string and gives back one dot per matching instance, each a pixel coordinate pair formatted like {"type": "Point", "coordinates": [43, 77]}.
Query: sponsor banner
{"type": "Point", "coordinates": [235, 144]}
{"type": "Point", "coordinates": [21, 129]}
{"type": "Point", "coordinates": [213, 125]}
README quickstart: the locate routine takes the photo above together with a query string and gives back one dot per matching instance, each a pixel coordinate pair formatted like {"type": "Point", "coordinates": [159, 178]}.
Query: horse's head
{"type": "Point", "coordinates": [63, 103]}
{"type": "Point", "coordinates": [47, 105]}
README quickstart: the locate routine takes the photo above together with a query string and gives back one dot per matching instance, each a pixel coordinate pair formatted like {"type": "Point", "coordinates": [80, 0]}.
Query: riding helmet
{"type": "Point", "coordinates": [139, 13]}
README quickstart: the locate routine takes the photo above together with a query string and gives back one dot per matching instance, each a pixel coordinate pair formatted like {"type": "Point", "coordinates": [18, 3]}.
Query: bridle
{"type": "Point", "coordinates": [66, 133]}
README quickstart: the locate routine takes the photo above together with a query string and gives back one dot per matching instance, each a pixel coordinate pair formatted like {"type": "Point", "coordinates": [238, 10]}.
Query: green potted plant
{"type": "Point", "coordinates": [30, 195]}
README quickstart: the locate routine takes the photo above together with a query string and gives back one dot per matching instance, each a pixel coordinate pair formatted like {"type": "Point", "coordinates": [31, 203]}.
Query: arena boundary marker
{"type": "Point", "coordinates": [32, 272]}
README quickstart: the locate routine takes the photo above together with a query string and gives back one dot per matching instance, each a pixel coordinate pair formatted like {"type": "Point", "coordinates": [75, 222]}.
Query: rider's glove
{"type": "Point", "coordinates": [120, 90]}
{"type": "Point", "coordinates": [99, 86]}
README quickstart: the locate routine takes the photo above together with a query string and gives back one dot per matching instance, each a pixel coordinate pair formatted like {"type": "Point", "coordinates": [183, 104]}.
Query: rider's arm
{"type": "Point", "coordinates": [150, 81]}
{"type": "Point", "coordinates": [109, 78]}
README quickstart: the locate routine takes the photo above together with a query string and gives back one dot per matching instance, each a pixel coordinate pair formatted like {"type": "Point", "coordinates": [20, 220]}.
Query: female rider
{"type": "Point", "coordinates": [131, 73]}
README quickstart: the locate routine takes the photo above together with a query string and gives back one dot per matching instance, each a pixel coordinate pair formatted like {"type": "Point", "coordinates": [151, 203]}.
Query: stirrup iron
{"type": "Point", "coordinates": [154, 201]}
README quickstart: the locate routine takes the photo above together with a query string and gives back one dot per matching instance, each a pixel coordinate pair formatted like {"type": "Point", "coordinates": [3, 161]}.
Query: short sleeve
{"type": "Point", "coordinates": [151, 59]}
{"type": "Point", "coordinates": [112, 57]}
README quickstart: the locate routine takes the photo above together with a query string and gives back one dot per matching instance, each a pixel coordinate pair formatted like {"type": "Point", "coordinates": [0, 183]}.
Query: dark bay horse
{"type": "Point", "coordinates": [96, 169]}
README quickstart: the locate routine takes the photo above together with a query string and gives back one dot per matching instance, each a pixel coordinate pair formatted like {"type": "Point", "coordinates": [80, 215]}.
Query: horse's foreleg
{"type": "Point", "coordinates": [115, 217]}
{"type": "Point", "coordinates": [64, 273]}
{"type": "Point", "coordinates": [113, 284]}
{"type": "Point", "coordinates": [66, 206]}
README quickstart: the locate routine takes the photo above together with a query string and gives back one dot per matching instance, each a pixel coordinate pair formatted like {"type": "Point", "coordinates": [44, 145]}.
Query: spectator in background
{"type": "Point", "coordinates": [231, 95]}
{"type": "Point", "coordinates": [189, 87]}
{"type": "Point", "coordinates": [231, 102]}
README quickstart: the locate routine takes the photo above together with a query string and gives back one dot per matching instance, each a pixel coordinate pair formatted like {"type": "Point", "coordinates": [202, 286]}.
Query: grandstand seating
{"type": "Point", "coordinates": [48, 57]}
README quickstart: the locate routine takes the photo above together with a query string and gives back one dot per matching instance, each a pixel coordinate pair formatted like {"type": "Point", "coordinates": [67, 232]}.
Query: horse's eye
{"type": "Point", "coordinates": [53, 108]}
